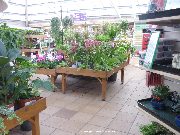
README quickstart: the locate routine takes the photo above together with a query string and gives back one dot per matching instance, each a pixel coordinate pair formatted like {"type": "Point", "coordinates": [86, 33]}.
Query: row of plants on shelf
{"type": "Point", "coordinates": [98, 53]}
{"type": "Point", "coordinates": [35, 32]}
{"type": "Point", "coordinates": [15, 82]}
{"type": "Point", "coordinates": [154, 128]}
{"type": "Point", "coordinates": [11, 37]}
{"type": "Point", "coordinates": [49, 61]}
{"type": "Point", "coordinates": [163, 99]}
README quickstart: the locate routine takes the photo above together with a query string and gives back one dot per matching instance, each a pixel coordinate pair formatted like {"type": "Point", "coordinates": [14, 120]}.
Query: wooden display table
{"type": "Point", "coordinates": [102, 76]}
{"type": "Point", "coordinates": [30, 113]}
{"type": "Point", "coordinates": [49, 72]}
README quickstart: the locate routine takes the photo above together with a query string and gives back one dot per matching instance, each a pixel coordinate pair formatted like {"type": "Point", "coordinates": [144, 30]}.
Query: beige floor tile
{"type": "Point", "coordinates": [113, 106]}
{"type": "Point", "coordinates": [120, 125]}
{"type": "Point", "coordinates": [100, 121]}
{"type": "Point", "coordinates": [130, 109]}
{"type": "Point", "coordinates": [61, 132]}
{"type": "Point", "coordinates": [72, 126]}
{"type": "Point", "coordinates": [113, 132]}
{"type": "Point", "coordinates": [90, 109]}
{"type": "Point", "coordinates": [107, 113]}
{"type": "Point", "coordinates": [50, 110]}
{"type": "Point", "coordinates": [82, 117]}
{"type": "Point", "coordinates": [65, 113]}
{"type": "Point", "coordinates": [45, 130]}
{"type": "Point", "coordinates": [126, 117]}
{"type": "Point", "coordinates": [43, 116]}
{"type": "Point", "coordinates": [54, 122]}
{"type": "Point", "coordinates": [90, 129]}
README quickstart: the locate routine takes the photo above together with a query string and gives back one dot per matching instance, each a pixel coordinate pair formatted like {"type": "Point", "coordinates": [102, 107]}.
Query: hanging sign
{"type": "Point", "coordinates": [151, 50]}
{"type": "Point", "coordinates": [79, 17]}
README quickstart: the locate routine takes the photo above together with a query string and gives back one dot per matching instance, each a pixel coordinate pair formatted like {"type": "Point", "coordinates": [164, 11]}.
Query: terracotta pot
{"type": "Point", "coordinates": [24, 102]}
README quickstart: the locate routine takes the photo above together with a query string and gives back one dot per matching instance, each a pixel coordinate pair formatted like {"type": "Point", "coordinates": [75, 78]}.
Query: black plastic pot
{"type": "Point", "coordinates": [26, 126]}
{"type": "Point", "coordinates": [113, 78]}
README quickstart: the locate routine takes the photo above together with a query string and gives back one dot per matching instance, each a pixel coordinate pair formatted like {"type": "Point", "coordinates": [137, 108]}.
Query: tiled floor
{"type": "Point", "coordinates": [81, 112]}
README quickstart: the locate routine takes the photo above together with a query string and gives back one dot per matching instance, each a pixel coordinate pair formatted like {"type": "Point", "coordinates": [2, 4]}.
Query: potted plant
{"type": "Point", "coordinates": [154, 128]}
{"type": "Point", "coordinates": [159, 95]}
{"type": "Point", "coordinates": [177, 120]}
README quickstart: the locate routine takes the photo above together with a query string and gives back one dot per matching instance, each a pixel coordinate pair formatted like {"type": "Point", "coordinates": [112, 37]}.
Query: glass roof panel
{"type": "Point", "coordinates": [44, 10]}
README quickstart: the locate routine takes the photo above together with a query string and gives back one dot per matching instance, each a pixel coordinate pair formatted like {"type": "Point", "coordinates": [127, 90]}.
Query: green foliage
{"type": "Point", "coordinates": [25, 87]}
{"type": "Point", "coordinates": [154, 129]}
{"type": "Point", "coordinates": [67, 22]}
{"type": "Point", "coordinates": [56, 33]}
{"type": "Point", "coordinates": [160, 92]}
{"type": "Point", "coordinates": [11, 37]}
{"type": "Point", "coordinates": [48, 64]}
{"type": "Point", "coordinates": [10, 116]}
{"type": "Point", "coordinates": [111, 30]}
{"type": "Point", "coordinates": [35, 32]}
{"type": "Point", "coordinates": [103, 38]}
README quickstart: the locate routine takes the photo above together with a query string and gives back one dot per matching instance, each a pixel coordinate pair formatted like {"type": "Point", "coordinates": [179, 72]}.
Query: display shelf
{"type": "Point", "coordinates": [102, 76]}
{"type": "Point", "coordinates": [30, 50]}
{"type": "Point", "coordinates": [31, 113]}
{"type": "Point", "coordinates": [162, 18]}
{"type": "Point", "coordinates": [176, 77]}
{"type": "Point", "coordinates": [164, 117]}
{"type": "Point", "coordinates": [36, 36]}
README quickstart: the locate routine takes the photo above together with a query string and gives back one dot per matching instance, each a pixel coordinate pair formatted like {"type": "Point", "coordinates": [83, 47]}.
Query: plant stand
{"type": "Point", "coordinates": [102, 76]}
{"type": "Point", "coordinates": [30, 113]}
{"type": "Point", "coordinates": [49, 72]}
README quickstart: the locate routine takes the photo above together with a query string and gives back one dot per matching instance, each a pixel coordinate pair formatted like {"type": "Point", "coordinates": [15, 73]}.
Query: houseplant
{"type": "Point", "coordinates": [154, 128]}
{"type": "Point", "coordinates": [159, 95]}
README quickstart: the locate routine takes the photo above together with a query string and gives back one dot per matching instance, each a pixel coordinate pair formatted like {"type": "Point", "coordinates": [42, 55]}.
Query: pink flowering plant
{"type": "Point", "coordinates": [48, 61]}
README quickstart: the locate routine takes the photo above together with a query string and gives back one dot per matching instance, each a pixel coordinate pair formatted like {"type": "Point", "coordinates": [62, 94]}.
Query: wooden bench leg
{"type": "Point", "coordinates": [122, 75]}
{"type": "Point", "coordinates": [35, 125]}
{"type": "Point", "coordinates": [53, 80]}
{"type": "Point", "coordinates": [104, 87]}
{"type": "Point", "coordinates": [63, 83]}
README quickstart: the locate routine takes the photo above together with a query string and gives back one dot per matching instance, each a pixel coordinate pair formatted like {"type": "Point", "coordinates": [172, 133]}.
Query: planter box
{"type": "Point", "coordinates": [46, 71]}
{"type": "Point", "coordinates": [31, 113]}
{"type": "Point", "coordinates": [89, 72]}
{"type": "Point", "coordinates": [102, 76]}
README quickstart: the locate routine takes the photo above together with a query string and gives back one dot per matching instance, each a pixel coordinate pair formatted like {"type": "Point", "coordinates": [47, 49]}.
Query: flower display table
{"type": "Point", "coordinates": [49, 72]}
{"type": "Point", "coordinates": [30, 113]}
{"type": "Point", "coordinates": [102, 76]}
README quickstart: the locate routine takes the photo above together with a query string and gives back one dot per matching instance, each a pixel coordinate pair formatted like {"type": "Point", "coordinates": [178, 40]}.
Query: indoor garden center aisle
{"type": "Point", "coordinates": [81, 110]}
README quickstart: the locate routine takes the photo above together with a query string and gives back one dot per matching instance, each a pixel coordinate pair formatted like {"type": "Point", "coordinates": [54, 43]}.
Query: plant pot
{"type": "Point", "coordinates": [177, 120]}
{"type": "Point", "coordinates": [160, 105]}
{"type": "Point", "coordinates": [26, 126]}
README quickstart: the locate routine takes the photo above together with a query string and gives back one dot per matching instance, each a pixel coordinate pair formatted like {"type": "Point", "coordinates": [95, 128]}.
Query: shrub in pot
{"type": "Point", "coordinates": [159, 95]}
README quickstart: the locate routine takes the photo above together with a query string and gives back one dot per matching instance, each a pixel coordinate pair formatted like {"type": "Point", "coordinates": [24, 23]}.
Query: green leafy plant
{"type": "Point", "coordinates": [160, 92]}
{"type": "Point", "coordinates": [154, 128]}
{"type": "Point", "coordinates": [10, 115]}
{"type": "Point", "coordinates": [56, 33]}
{"type": "Point", "coordinates": [67, 21]}
{"type": "Point", "coordinates": [11, 37]}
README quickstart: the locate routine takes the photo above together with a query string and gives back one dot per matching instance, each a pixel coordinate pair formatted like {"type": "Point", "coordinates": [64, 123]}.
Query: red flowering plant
{"type": "Point", "coordinates": [160, 92]}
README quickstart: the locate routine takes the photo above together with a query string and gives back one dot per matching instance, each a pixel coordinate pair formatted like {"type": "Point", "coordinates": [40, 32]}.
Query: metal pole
{"type": "Point", "coordinates": [62, 27]}
{"type": "Point", "coordinates": [26, 14]}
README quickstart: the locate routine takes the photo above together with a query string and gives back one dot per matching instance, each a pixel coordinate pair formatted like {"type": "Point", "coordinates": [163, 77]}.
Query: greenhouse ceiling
{"type": "Point", "coordinates": [40, 12]}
